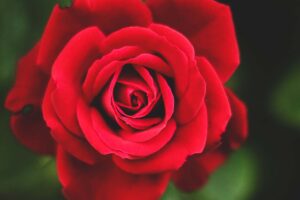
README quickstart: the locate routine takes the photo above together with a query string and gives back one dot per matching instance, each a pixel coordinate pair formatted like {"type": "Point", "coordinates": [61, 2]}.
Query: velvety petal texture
{"type": "Point", "coordinates": [189, 139]}
{"type": "Point", "coordinates": [60, 111]}
{"type": "Point", "coordinates": [208, 25]}
{"type": "Point", "coordinates": [131, 94]}
{"type": "Point", "coordinates": [106, 181]}
{"type": "Point", "coordinates": [237, 129]}
{"type": "Point", "coordinates": [219, 111]}
{"type": "Point", "coordinates": [24, 101]}
{"type": "Point", "coordinates": [107, 15]}
{"type": "Point", "coordinates": [198, 168]}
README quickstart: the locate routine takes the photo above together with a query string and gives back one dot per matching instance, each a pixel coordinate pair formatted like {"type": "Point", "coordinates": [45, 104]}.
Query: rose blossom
{"type": "Point", "coordinates": [129, 95]}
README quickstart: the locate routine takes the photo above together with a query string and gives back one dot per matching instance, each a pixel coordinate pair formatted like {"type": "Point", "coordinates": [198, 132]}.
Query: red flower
{"type": "Point", "coordinates": [130, 95]}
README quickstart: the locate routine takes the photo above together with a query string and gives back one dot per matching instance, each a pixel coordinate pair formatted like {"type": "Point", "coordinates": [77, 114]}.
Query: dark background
{"type": "Point", "coordinates": [268, 80]}
{"type": "Point", "coordinates": [269, 34]}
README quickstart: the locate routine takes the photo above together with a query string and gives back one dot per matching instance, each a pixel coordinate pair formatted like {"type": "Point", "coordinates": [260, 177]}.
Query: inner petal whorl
{"type": "Point", "coordinates": [129, 99]}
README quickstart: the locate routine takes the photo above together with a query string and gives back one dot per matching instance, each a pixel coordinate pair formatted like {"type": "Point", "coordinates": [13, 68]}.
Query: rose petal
{"type": "Point", "coordinates": [90, 89]}
{"type": "Point", "coordinates": [74, 145]}
{"type": "Point", "coordinates": [188, 140]}
{"type": "Point", "coordinates": [218, 107]}
{"type": "Point", "coordinates": [149, 88]}
{"type": "Point", "coordinates": [237, 128]}
{"type": "Point", "coordinates": [141, 124]}
{"type": "Point", "coordinates": [133, 82]}
{"type": "Point", "coordinates": [209, 26]}
{"type": "Point", "coordinates": [151, 41]}
{"type": "Point", "coordinates": [106, 98]}
{"type": "Point", "coordinates": [61, 26]}
{"type": "Point", "coordinates": [150, 133]}
{"type": "Point", "coordinates": [197, 169]}
{"type": "Point", "coordinates": [31, 130]}
{"type": "Point", "coordinates": [28, 91]}
{"type": "Point", "coordinates": [104, 140]}
{"type": "Point", "coordinates": [106, 181]}
{"type": "Point", "coordinates": [30, 83]}
{"type": "Point", "coordinates": [153, 62]}
{"type": "Point", "coordinates": [84, 118]}
{"type": "Point", "coordinates": [175, 38]}
{"type": "Point", "coordinates": [68, 71]}
{"type": "Point", "coordinates": [107, 15]}
{"type": "Point", "coordinates": [191, 102]}
{"type": "Point", "coordinates": [112, 15]}
{"type": "Point", "coordinates": [131, 148]}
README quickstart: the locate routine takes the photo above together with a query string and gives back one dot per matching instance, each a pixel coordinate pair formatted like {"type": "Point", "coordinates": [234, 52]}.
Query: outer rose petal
{"type": "Point", "coordinates": [28, 90]}
{"type": "Point", "coordinates": [63, 93]}
{"type": "Point", "coordinates": [72, 143]}
{"type": "Point", "coordinates": [195, 172]}
{"type": "Point", "coordinates": [32, 132]}
{"type": "Point", "coordinates": [190, 103]}
{"type": "Point", "coordinates": [108, 15]}
{"type": "Point", "coordinates": [69, 70]}
{"type": "Point", "coordinates": [187, 107]}
{"type": "Point", "coordinates": [61, 26]}
{"type": "Point", "coordinates": [175, 38]}
{"type": "Point", "coordinates": [218, 107]}
{"type": "Point", "coordinates": [237, 129]}
{"type": "Point", "coordinates": [105, 181]}
{"type": "Point", "coordinates": [209, 26]}
{"type": "Point", "coordinates": [111, 15]}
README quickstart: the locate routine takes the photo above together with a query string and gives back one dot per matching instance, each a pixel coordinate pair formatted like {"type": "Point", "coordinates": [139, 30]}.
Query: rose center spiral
{"type": "Point", "coordinates": [129, 99]}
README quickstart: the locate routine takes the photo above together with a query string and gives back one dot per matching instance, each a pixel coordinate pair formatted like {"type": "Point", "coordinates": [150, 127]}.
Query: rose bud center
{"type": "Point", "coordinates": [129, 99]}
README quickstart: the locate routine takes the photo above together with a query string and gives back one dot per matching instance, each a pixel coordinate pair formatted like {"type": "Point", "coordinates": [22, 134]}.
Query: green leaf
{"type": "Point", "coordinates": [65, 3]}
{"type": "Point", "coordinates": [285, 101]}
{"type": "Point", "coordinates": [236, 180]}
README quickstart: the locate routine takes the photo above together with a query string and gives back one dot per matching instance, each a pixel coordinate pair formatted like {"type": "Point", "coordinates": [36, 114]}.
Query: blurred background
{"type": "Point", "coordinates": [268, 80]}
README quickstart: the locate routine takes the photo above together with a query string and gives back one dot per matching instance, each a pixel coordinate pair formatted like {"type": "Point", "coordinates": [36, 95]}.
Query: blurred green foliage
{"type": "Point", "coordinates": [22, 173]}
{"type": "Point", "coordinates": [286, 99]}
{"type": "Point", "coordinates": [266, 168]}
{"type": "Point", "coordinates": [236, 180]}
{"type": "Point", "coordinates": [64, 3]}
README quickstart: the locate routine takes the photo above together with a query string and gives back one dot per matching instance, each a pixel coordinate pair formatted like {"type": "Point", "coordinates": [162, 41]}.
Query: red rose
{"type": "Point", "coordinates": [130, 95]}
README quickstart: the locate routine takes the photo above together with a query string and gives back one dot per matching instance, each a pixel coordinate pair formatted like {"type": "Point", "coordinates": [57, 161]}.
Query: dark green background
{"type": "Point", "coordinates": [268, 80]}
